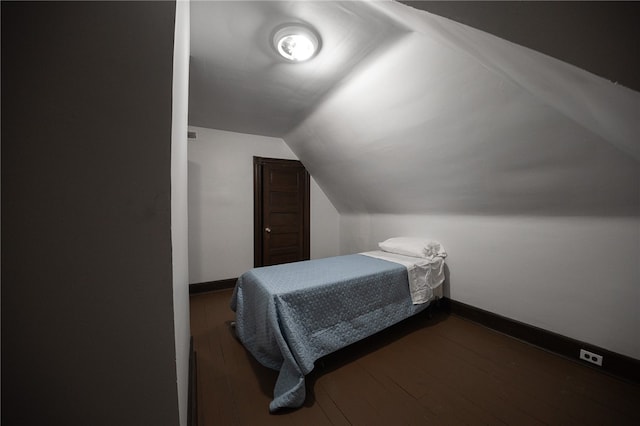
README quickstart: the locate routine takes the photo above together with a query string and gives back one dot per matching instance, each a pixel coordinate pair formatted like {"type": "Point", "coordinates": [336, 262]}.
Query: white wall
{"type": "Point", "coordinates": [179, 212]}
{"type": "Point", "coordinates": [325, 225]}
{"type": "Point", "coordinates": [575, 276]}
{"type": "Point", "coordinates": [221, 204]}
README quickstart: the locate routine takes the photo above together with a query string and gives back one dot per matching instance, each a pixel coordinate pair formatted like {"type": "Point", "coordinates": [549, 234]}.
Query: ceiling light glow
{"type": "Point", "coordinates": [296, 43]}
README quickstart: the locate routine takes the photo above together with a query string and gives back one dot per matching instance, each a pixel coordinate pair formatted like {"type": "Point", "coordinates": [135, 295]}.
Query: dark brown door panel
{"type": "Point", "coordinates": [281, 211]}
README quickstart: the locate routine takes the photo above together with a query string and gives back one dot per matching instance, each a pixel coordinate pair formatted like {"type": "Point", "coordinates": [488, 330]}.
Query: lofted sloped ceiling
{"type": "Point", "coordinates": [598, 36]}
{"type": "Point", "coordinates": [404, 111]}
{"type": "Point", "coordinates": [238, 81]}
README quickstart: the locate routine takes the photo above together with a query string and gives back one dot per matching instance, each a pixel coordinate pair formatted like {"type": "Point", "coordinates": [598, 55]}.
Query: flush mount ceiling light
{"type": "Point", "coordinates": [296, 43]}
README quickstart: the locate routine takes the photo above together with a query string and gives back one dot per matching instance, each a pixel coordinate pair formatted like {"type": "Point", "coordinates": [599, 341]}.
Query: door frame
{"type": "Point", "coordinates": [258, 219]}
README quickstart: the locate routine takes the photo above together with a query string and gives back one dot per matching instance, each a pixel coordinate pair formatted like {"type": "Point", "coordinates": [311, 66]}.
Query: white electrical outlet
{"type": "Point", "coordinates": [591, 357]}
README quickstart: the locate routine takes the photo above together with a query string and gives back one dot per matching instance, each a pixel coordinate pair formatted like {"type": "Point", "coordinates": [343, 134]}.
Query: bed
{"type": "Point", "coordinates": [288, 316]}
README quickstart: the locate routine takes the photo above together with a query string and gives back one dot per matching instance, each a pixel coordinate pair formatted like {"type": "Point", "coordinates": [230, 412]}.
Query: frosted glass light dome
{"type": "Point", "coordinates": [296, 43]}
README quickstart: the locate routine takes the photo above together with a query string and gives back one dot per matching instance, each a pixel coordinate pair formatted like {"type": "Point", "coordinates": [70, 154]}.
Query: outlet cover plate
{"type": "Point", "coordinates": [591, 357]}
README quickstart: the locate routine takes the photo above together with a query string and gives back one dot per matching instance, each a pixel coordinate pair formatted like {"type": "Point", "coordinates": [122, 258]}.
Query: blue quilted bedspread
{"type": "Point", "coordinates": [290, 315]}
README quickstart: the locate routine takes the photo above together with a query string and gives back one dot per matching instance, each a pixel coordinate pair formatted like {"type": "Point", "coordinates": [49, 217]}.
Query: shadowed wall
{"type": "Point", "coordinates": [87, 303]}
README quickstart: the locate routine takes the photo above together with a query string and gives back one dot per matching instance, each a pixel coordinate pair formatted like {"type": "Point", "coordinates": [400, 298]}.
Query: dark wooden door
{"type": "Point", "coordinates": [281, 211]}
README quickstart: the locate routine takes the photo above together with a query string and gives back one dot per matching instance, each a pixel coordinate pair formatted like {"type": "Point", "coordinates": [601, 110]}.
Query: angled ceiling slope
{"type": "Point", "coordinates": [598, 36]}
{"type": "Point", "coordinates": [454, 120]}
{"type": "Point", "coordinates": [407, 112]}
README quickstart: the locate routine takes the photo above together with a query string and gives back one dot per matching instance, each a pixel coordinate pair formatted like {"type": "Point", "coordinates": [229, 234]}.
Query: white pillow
{"type": "Point", "coordinates": [415, 247]}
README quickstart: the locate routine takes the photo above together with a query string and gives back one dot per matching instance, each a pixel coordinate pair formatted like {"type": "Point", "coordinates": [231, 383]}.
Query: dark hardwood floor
{"type": "Point", "coordinates": [439, 371]}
